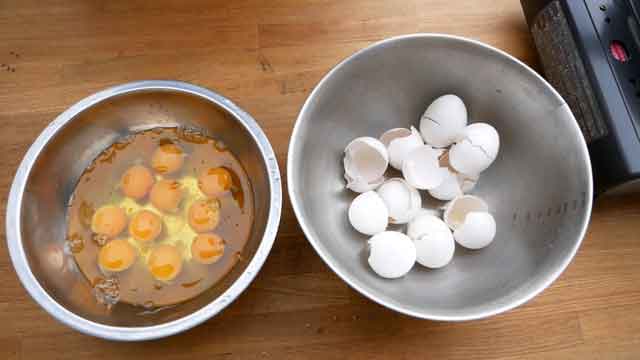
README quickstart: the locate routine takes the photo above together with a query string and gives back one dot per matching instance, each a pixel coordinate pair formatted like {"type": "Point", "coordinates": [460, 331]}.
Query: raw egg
{"type": "Point", "coordinates": [117, 255]}
{"type": "Point", "coordinates": [207, 248]}
{"type": "Point", "coordinates": [165, 262]}
{"type": "Point", "coordinates": [109, 221]}
{"type": "Point", "coordinates": [167, 159]}
{"type": "Point", "coordinates": [166, 195]}
{"type": "Point", "coordinates": [136, 181]}
{"type": "Point", "coordinates": [214, 182]}
{"type": "Point", "coordinates": [204, 215]}
{"type": "Point", "coordinates": [145, 226]}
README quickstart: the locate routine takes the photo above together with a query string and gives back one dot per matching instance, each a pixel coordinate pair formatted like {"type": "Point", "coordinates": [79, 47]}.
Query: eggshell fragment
{"type": "Point", "coordinates": [433, 239]}
{"type": "Point", "coordinates": [421, 168]}
{"type": "Point", "coordinates": [392, 134]}
{"type": "Point", "coordinates": [400, 142]}
{"type": "Point", "coordinates": [402, 200]}
{"type": "Point", "coordinates": [425, 223]}
{"type": "Point", "coordinates": [458, 208]}
{"type": "Point", "coordinates": [365, 162]}
{"type": "Point", "coordinates": [454, 185]}
{"type": "Point", "coordinates": [391, 254]}
{"type": "Point", "coordinates": [467, 182]}
{"type": "Point", "coordinates": [368, 213]}
{"type": "Point", "coordinates": [477, 149]}
{"type": "Point", "coordinates": [435, 211]}
{"type": "Point", "coordinates": [449, 189]}
{"type": "Point", "coordinates": [443, 121]}
{"type": "Point", "coordinates": [477, 231]}
{"type": "Point", "coordinates": [359, 185]}
{"type": "Point", "coordinates": [435, 250]}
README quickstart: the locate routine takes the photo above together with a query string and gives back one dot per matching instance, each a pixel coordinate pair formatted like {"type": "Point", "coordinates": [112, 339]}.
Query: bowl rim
{"type": "Point", "coordinates": [60, 313]}
{"type": "Point", "coordinates": [306, 228]}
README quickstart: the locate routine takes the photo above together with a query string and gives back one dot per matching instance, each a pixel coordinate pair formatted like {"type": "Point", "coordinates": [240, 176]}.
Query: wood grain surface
{"type": "Point", "coordinates": [267, 55]}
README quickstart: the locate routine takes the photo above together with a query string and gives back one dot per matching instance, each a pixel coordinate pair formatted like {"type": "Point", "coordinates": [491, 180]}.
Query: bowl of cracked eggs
{"type": "Point", "coordinates": [440, 177]}
{"type": "Point", "coordinates": [143, 210]}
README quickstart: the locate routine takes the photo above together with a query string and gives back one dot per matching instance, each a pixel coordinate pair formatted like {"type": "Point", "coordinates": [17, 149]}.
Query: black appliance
{"type": "Point", "coordinates": [590, 52]}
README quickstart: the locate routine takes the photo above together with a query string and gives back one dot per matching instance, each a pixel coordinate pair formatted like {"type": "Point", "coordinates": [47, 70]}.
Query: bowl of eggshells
{"type": "Point", "coordinates": [440, 177]}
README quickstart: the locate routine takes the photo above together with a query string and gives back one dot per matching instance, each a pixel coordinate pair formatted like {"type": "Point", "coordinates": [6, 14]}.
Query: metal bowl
{"type": "Point", "coordinates": [47, 176]}
{"type": "Point", "coordinates": [539, 188]}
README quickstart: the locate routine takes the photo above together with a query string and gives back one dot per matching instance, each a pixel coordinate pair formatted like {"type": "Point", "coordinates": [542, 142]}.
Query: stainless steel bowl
{"type": "Point", "coordinates": [539, 188]}
{"type": "Point", "coordinates": [47, 176]}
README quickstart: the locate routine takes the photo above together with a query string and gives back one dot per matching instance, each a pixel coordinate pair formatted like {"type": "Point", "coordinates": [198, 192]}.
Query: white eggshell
{"type": "Point", "coordinates": [391, 254]}
{"type": "Point", "coordinates": [435, 211]}
{"type": "Point", "coordinates": [477, 149]}
{"type": "Point", "coordinates": [365, 162]}
{"type": "Point", "coordinates": [402, 200]}
{"type": "Point", "coordinates": [444, 121]}
{"type": "Point", "coordinates": [424, 224]}
{"type": "Point", "coordinates": [433, 239]}
{"type": "Point", "coordinates": [467, 182]}
{"type": "Point", "coordinates": [368, 213]}
{"type": "Point", "coordinates": [400, 142]}
{"type": "Point", "coordinates": [393, 134]}
{"type": "Point", "coordinates": [435, 251]}
{"type": "Point", "coordinates": [449, 189]}
{"type": "Point", "coordinates": [477, 231]}
{"type": "Point", "coordinates": [421, 168]}
{"type": "Point", "coordinates": [359, 185]}
{"type": "Point", "coordinates": [458, 208]}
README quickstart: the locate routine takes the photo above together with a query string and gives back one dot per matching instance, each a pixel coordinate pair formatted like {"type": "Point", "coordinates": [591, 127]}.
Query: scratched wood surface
{"type": "Point", "coordinates": [267, 56]}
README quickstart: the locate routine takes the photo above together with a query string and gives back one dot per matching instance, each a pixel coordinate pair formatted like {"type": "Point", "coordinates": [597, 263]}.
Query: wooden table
{"type": "Point", "coordinates": [267, 56]}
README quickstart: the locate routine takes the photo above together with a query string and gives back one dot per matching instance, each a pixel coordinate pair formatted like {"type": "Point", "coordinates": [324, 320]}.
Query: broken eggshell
{"type": "Point", "coordinates": [467, 182]}
{"type": "Point", "coordinates": [433, 239]}
{"type": "Point", "coordinates": [365, 162]}
{"type": "Point", "coordinates": [392, 134]}
{"type": "Point", "coordinates": [449, 189]}
{"type": "Point", "coordinates": [477, 230]}
{"type": "Point", "coordinates": [454, 185]}
{"type": "Point", "coordinates": [476, 150]}
{"type": "Point", "coordinates": [391, 254]}
{"type": "Point", "coordinates": [444, 120]}
{"type": "Point", "coordinates": [359, 185]}
{"type": "Point", "coordinates": [400, 142]}
{"type": "Point", "coordinates": [422, 170]}
{"type": "Point", "coordinates": [368, 213]}
{"type": "Point", "coordinates": [402, 200]}
{"type": "Point", "coordinates": [458, 208]}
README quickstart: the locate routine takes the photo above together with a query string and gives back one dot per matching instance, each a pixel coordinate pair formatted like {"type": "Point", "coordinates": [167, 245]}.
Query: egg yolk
{"type": "Point", "coordinates": [136, 181]}
{"type": "Point", "coordinates": [165, 262]}
{"type": "Point", "coordinates": [116, 255]}
{"type": "Point", "coordinates": [207, 248]}
{"type": "Point", "coordinates": [167, 158]}
{"type": "Point", "coordinates": [145, 226]}
{"type": "Point", "coordinates": [204, 215]}
{"type": "Point", "coordinates": [214, 182]}
{"type": "Point", "coordinates": [166, 195]}
{"type": "Point", "coordinates": [109, 221]}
